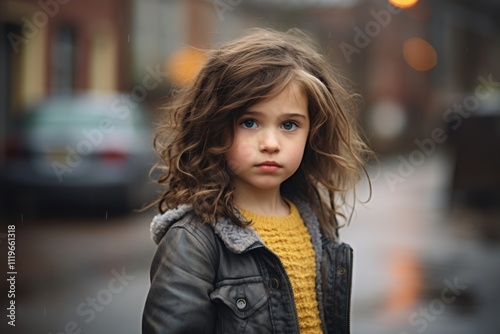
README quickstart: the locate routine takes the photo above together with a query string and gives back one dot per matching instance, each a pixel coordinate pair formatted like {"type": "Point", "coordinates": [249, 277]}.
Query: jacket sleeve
{"type": "Point", "coordinates": [182, 276]}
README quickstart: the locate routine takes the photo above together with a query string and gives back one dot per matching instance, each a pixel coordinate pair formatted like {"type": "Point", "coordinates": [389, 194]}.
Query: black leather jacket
{"type": "Point", "coordinates": [221, 278]}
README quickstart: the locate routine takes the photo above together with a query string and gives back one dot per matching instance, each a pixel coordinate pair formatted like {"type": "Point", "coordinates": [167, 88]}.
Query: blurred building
{"type": "Point", "coordinates": [57, 46]}
{"type": "Point", "coordinates": [410, 65]}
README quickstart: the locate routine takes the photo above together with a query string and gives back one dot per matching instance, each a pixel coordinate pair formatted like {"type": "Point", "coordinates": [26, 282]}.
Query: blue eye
{"type": "Point", "coordinates": [289, 126]}
{"type": "Point", "coordinates": [249, 123]}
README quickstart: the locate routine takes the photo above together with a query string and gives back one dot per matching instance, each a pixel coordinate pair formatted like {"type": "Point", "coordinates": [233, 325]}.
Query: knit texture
{"type": "Point", "coordinates": [287, 237]}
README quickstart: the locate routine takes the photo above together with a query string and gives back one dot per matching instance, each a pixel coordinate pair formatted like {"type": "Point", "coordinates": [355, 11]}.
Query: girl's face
{"type": "Point", "coordinates": [269, 141]}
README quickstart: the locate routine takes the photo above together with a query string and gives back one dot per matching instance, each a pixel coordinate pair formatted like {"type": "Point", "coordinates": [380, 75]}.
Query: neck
{"type": "Point", "coordinates": [266, 202]}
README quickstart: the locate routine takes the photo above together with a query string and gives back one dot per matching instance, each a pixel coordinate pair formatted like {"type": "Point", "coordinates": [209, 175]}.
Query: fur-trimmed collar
{"type": "Point", "coordinates": [162, 222]}
{"type": "Point", "coordinates": [236, 238]}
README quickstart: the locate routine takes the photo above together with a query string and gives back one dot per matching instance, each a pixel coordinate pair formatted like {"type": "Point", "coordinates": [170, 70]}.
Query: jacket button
{"type": "Point", "coordinates": [341, 271]}
{"type": "Point", "coordinates": [275, 284]}
{"type": "Point", "coordinates": [241, 304]}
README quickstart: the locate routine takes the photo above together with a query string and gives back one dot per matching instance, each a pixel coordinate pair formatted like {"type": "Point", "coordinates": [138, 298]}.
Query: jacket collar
{"type": "Point", "coordinates": [162, 222]}
{"type": "Point", "coordinates": [236, 238]}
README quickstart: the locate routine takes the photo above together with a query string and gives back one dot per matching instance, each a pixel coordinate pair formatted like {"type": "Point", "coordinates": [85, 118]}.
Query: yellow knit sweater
{"type": "Point", "coordinates": [287, 236]}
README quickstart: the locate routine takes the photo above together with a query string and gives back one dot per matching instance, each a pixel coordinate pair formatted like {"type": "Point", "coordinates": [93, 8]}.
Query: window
{"type": "Point", "coordinates": [63, 60]}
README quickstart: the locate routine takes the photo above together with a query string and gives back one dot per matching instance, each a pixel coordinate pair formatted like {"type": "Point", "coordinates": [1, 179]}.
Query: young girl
{"type": "Point", "coordinates": [263, 145]}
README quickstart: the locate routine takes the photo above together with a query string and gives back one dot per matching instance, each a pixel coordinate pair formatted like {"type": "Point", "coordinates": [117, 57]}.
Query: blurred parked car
{"type": "Point", "coordinates": [82, 151]}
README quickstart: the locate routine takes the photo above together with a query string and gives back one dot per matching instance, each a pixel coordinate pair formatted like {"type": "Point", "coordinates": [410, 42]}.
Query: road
{"type": "Point", "coordinates": [89, 274]}
{"type": "Point", "coordinates": [419, 267]}
{"type": "Point", "coordinates": [423, 265]}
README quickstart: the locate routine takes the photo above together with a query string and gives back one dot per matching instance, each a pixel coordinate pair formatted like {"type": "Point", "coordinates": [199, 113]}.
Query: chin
{"type": "Point", "coordinates": [267, 186]}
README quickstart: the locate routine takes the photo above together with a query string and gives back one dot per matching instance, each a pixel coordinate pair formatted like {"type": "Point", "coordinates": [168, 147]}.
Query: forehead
{"type": "Point", "coordinates": [292, 98]}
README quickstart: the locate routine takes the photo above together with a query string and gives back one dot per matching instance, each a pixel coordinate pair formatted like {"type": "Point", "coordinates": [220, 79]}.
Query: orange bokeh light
{"type": "Point", "coordinates": [403, 3]}
{"type": "Point", "coordinates": [405, 273]}
{"type": "Point", "coordinates": [419, 54]}
{"type": "Point", "coordinates": [184, 65]}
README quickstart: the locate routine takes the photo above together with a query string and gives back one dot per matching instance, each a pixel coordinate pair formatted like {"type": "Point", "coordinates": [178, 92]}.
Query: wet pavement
{"type": "Point", "coordinates": [420, 267]}
{"type": "Point", "coordinates": [82, 275]}
{"type": "Point", "coordinates": [421, 264]}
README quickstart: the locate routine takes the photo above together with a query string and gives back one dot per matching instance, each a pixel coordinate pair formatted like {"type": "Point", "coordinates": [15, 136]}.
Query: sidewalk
{"type": "Point", "coordinates": [418, 267]}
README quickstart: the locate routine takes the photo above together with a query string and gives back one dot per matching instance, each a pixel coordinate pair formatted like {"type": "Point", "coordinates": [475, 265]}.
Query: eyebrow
{"type": "Point", "coordinates": [250, 112]}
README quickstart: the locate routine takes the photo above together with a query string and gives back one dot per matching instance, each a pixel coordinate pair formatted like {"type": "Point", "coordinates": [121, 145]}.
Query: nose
{"type": "Point", "coordinates": [269, 141]}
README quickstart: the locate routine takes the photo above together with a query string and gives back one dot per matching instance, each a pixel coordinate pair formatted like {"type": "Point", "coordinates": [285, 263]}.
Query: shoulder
{"type": "Point", "coordinates": [224, 234]}
{"type": "Point", "coordinates": [188, 225]}
{"type": "Point", "coordinates": [192, 226]}
{"type": "Point", "coordinates": [187, 242]}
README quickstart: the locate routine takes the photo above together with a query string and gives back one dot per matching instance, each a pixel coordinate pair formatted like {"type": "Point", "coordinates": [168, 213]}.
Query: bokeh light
{"type": "Point", "coordinates": [404, 267]}
{"type": "Point", "coordinates": [388, 119]}
{"type": "Point", "coordinates": [419, 54]}
{"type": "Point", "coordinates": [184, 64]}
{"type": "Point", "coordinates": [403, 3]}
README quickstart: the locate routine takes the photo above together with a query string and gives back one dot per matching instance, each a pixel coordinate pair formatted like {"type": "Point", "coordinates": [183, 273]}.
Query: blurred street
{"type": "Point", "coordinates": [422, 266]}
{"type": "Point", "coordinates": [83, 83]}
{"type": "Point", "coordinates": [92, 274]}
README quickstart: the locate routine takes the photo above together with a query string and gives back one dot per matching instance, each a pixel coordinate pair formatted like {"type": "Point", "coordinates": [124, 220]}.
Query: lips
{"type": "Point", "coordinates": [269, 163]}
{"type": "Point", "coordinates": [269, 167]}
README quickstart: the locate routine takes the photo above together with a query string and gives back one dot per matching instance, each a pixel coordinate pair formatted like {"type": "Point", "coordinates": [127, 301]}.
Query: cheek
{"type": "Point", "coordinates": [296, 156]}
{"type": "Point", "coordinates": [240, 155]}
{"type": "Point", "coordinates": [232, 159]}
{"type": "Point", "coordinates": [296, 153]}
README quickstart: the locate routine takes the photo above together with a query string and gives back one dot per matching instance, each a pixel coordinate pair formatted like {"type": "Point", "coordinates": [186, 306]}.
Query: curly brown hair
{"type": "Point", "coordinates": [198, 128]}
